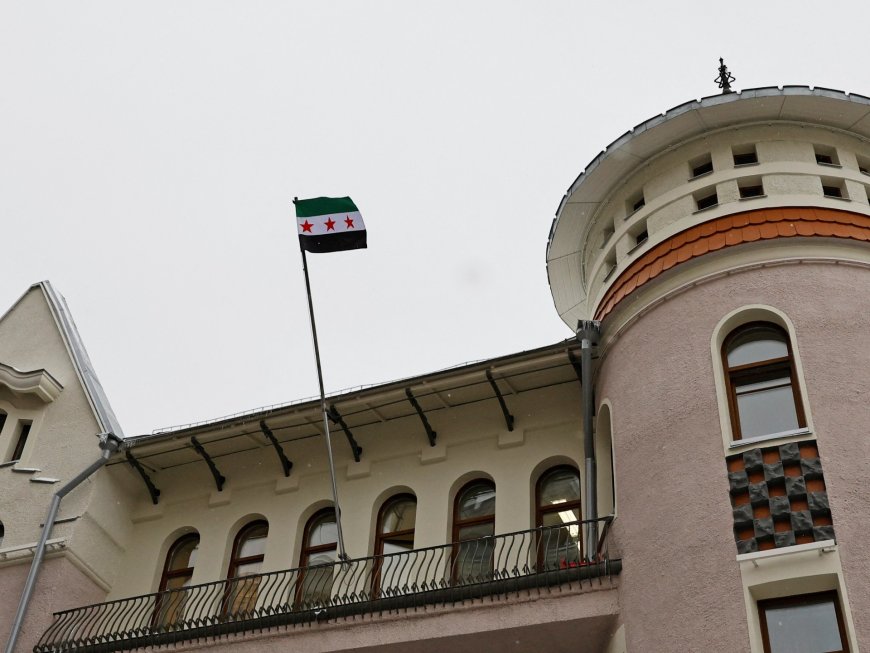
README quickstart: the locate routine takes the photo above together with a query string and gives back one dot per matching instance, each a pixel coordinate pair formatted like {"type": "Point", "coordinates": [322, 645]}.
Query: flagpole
{"type": "Point", "coordinates": [341, 552]}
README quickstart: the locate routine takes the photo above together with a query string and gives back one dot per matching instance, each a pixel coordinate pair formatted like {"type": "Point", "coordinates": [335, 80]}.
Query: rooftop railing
{"type": "Point", "coordinates": [492, 566]}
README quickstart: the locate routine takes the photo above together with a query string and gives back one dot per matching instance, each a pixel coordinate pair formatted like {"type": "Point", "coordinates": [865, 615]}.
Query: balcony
{"type": "Point", "coordinates": [494, 567]}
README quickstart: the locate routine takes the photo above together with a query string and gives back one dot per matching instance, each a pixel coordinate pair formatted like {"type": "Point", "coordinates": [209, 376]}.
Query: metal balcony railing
{"type": "Point", "coordinates": [490, 566]}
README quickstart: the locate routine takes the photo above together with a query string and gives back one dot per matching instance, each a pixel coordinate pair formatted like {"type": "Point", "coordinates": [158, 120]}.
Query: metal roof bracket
{"type": "Point", "coordinates": [152, 489]}
{"type": "Point", "coordinates": [429, 432]}
{"type": "Point", "coordinates": [336, 418]}
{"type": "Point", "coordinates": [578, 368]}
{"type": "Point", "coordinates": [285, 462]}
{"type": "Point", "coordinates": [508, 418]}
{"type": "Point", "coordinates": [219, 478]}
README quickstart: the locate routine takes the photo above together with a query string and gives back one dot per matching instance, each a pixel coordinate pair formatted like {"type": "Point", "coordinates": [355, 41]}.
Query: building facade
{"type": "Point", "coordinates": [698, 485]}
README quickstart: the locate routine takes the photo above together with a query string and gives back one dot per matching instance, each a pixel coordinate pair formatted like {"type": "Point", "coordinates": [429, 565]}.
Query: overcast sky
{"type": "Point", "coordinates": [149, 153]}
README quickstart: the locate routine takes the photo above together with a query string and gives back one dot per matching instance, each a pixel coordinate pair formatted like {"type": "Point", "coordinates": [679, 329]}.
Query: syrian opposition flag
{"type": "Point", "coordinates": [329, 224]}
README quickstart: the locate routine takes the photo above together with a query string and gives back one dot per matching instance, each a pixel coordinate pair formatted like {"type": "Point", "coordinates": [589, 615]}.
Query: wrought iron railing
{"type": "Point", "coordinates": [457, 572]}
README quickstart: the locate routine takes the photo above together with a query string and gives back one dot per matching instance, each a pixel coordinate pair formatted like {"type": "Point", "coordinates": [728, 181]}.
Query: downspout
{"type": "Point", "coordinates": [109, 443]}
{"type": "Point", "coordinates": [587, 333]}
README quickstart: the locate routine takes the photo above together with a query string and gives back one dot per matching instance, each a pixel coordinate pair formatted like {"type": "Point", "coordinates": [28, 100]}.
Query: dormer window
{"type": "Point", "coordinates": [635, 203]}
{"type": "Point", "coordinates": [750, 187]}
{"type": "Point", "coordinates": [744, 155]}
{"type": "Point", "coordinates": [835, 188]}
{"type": "Point", "coordinates": [706, 198]}
{"type": "Point", "coordinates": [826, 155]}
{"type": "Point", "coordinates": [701, 166]}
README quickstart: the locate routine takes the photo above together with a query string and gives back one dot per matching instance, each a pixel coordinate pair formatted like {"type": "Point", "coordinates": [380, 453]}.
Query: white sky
{"type": "Point", "coordinates": [149, 153]}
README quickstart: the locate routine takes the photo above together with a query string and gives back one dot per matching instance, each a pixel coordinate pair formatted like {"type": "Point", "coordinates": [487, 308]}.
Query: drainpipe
{"type": "Point", "coordinates": [587, 333]}
{"type": "Point", "coordinates": [109, 443]}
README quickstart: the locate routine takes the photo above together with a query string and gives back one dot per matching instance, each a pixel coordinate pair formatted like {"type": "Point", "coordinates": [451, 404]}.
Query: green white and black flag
{"type": "Point", "coordinates": [329, 224]}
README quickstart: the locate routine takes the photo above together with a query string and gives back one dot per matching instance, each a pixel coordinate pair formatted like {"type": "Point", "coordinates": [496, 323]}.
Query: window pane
{"type": "Point", "coordinates": [399, 516]}
{"type": "Point", "coordinates": [474, 558]}
{"type": "Point", "coordinates": [324, 531]}
{"type": "Point", "coordinates": [756, 344]}
{"type": "Point", "coordinates": [809, 628]}
{"type": "Point", "coordinates": [184, 555]}
{"type": "Point", "coordinates": [254, 542]}
{"type": "Point", "coordinates": [560, 486]}
{"type": "Point", "coordinates": [477, 501]}
{"type": "Point", "coordinates": [399, 543]}
{"type": "Point", "coordinates": [560, 547]}
{"type": "Point", "coordinates": [560, 517]}
{"type": "Point", "coordinates": [766, 411]}
{"type": "Point", "coordinates": [242, 595]}
{"type": "Point", "coordinates": [317, 583]}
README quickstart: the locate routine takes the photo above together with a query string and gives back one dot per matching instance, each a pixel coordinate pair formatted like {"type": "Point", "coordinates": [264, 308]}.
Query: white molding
{"type": "Point", "coordinates": [38, 382]}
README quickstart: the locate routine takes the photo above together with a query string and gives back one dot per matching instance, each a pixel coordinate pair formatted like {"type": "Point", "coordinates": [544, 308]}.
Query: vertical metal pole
{"type": "Point", "coordinates": [587, 333]}
{"type": "Point", "coordinates": [341, 552]}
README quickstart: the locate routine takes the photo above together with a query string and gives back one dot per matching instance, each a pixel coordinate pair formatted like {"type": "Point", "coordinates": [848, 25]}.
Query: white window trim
{"type": "Point", "coordinates": [801, 569]}
{"type": "Point", "coordinates": [731, 321]}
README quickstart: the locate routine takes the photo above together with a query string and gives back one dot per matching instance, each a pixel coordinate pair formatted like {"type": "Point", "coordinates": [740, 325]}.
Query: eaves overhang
{"type": "Point", "coordinates": [363, 407]}
{"type": "Point", "coordinates": [578, 208]}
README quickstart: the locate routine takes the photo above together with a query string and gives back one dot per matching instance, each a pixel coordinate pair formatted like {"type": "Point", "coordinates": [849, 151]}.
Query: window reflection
{"type": "Point", "coordinates": [177, 574]}
{"type": "Point", "coordinates": [473, 519]}
{"type": "Point", "coordinates": [762, 389]}
{"type": "Point", "coordinates": [319, 547]}
{"type": "Point", "coordinates": [396, 523]}
{"type": "Point", "coordinates": [558, 503]}
{"type": "Point", "coordinates": [245, 566]}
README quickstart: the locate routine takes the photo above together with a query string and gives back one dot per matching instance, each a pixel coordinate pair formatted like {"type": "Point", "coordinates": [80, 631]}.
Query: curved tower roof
{"type": "Point", "coordinates": [684, 168]}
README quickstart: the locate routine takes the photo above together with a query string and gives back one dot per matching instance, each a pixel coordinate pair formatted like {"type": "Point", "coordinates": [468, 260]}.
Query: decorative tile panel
{"type": "Point", "coordinates": [778, 497]}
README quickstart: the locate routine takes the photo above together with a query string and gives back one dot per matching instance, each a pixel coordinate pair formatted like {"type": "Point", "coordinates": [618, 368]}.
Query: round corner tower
{"type": "Point", "coordinates": [725, 248]}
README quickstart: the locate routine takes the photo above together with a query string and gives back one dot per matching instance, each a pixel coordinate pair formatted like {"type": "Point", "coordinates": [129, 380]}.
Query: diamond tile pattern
{"type": "Point", "coordinates": [778, 497]}
{"type": "Point", "coordinates": [730, 230]}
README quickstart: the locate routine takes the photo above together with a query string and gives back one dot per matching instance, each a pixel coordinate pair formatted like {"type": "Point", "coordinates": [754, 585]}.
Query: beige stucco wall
{"type": "Point", "coordinates": [472, 442]}
{"type": "Point", "coordinates": [681, 586]}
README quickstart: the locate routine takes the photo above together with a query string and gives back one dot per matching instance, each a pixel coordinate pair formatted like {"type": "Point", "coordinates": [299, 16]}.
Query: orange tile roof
{"type": "Point", "coordinates": [730, 230]}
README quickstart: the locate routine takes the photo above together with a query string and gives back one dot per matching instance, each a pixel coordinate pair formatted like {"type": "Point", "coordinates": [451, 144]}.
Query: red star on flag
{"type": "Point", "coordinates": [306, 226]}
{"type": "Point", "coordinates": [349, 222]}
{"type": "Point", "coordinates": [330, 224]}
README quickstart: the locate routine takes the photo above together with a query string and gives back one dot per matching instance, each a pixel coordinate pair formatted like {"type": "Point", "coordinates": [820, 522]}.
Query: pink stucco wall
{"type": "Point", "coordinates": [680, 588]}
{"type": "Point", "coordinates": [560, 620]}
{"type": "Point", "coordinates": [60, 586]}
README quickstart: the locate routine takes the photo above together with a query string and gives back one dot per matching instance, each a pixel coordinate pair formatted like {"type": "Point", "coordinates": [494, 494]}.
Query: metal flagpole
{"type": "Point", "coordinates": [341, 553]}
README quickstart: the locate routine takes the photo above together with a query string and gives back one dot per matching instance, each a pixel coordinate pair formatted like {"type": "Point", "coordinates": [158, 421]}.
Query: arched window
{"type": "Point", "coordinates": [177, 573]}
{"type": "Point", "coordinates": [557, 507]}
{"type": "Point", "coordinates": [473, 528]}
{"type": "Point", "coordinates": [246, 561]}
{"type": "Point", "coordinates": [395, 534]}
{"type": "Point", "coordinates": [319, 551]}
{"type": "Point", "coordinates": [763, 393]}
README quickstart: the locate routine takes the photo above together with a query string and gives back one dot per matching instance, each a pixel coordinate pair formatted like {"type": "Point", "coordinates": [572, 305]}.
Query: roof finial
{"type": "Point", "coordinates": [725, 78]}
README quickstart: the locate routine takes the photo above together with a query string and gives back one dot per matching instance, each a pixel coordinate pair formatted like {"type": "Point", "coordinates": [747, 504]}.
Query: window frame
{"type": "Point", "coordinates": [168, 574]}
{"type": "Point", "coordinates": [540, 511]}
{"type": "Point", "coordinates": [802, 599]}
{"type": "Point", "coordinates": [307, 549]}
{"type": "Point", "coordinates": [380, 536]}
{"type": "Point", "coordinates": [236, 561]}
{"type": "Point", "coordinates": [755, 372]}
{"type": "Point", "coordinates": [459, 524]}
{"type": "Point", "coordinates": [23, 433]}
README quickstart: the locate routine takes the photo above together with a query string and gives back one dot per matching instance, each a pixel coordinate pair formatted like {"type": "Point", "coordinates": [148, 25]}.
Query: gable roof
{"type": "Point", "coordinates": [72, 340]}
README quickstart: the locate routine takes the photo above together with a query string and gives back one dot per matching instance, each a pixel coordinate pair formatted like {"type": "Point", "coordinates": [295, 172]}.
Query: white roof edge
{"type": "Point", "coordinates": [712, 100]}
{"type": "Point", "coordinates": [106, 418]}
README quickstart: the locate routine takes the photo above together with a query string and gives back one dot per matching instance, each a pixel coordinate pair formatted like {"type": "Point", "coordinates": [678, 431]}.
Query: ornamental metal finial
{"type": "Point", "coordinates": [725, 78]}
